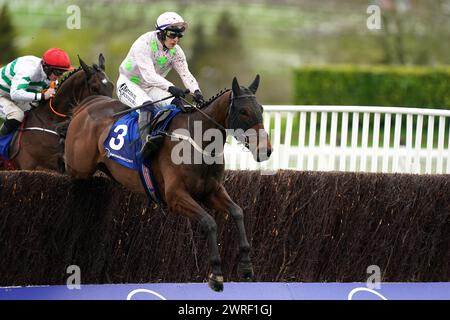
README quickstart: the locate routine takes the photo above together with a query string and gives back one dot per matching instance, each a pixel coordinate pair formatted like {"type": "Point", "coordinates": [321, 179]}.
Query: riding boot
{"type": "Point", "coordinates": [149, 143]}
{"type": "Point", "coordinates": [9, 126]}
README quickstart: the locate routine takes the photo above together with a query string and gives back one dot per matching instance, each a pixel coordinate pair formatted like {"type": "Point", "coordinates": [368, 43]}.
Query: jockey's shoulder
{"type": "Point", "coordinates": [29, 59]}
{"type": "Point", "coordinates": [31, 66]}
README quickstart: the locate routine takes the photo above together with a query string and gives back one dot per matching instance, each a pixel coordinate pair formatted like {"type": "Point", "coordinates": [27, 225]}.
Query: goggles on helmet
{"type": "Point", "coordinates": [174, 34]}
{"type": "Point", "coordinates": [58, 72]}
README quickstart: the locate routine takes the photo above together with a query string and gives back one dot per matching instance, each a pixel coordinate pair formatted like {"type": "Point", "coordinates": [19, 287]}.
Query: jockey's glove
{"type": "Point", "coordinates": [49, 93]}
{"type": "Point", "coordinates": [198, 97]}
{"type": "Point", "coordinates": [176, 92]}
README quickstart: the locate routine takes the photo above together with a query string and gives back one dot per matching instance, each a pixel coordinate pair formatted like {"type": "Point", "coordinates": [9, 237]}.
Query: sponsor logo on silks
{"type": "Point", "coordinates": [124, 91]}
{"type": "Point", "coordinates": [121, 158]}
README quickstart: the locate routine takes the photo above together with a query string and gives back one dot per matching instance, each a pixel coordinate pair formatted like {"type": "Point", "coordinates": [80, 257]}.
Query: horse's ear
{"type": "Point", "coordinates": [235, 87]}
{"type": "Point", "coordinates": [254, 86]}
{"type": "Point", "coordinates": [101, 61]}
{"type": "Point", "coordinates": [85, 67]}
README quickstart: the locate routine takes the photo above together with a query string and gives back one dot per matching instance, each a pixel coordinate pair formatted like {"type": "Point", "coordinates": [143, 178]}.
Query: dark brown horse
{"type": "Point", "coordinates": [182, 186]}
{"type": "Point", "coordinates": [40, 147]}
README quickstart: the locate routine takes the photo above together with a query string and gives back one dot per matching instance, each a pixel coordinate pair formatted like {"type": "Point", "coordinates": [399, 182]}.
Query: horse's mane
{"type": "Point", "coordinates": [67, 76]}
{"type": "Point", "coordinates": [213, 98]}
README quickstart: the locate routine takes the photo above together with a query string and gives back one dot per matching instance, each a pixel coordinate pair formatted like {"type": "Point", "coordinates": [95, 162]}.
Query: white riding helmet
{"type": "Point", "coordinates": [170, 20]}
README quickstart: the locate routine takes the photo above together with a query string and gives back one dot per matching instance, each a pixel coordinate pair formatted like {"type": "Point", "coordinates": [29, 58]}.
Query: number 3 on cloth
{"type": "Point", "coordinates": [117, 143]}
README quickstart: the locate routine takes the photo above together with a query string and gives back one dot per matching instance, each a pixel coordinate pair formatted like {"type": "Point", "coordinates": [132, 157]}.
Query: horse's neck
{"type": "Point", "coordinates": [72, 92]}
{"type": "Point", "coordinates": [53, 111]}
{"type": "Point", "coordinates": [218, 110]}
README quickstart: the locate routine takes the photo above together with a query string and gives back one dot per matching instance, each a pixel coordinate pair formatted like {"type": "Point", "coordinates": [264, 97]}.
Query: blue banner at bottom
{"type": "Point", "coordinates": [234, 291]}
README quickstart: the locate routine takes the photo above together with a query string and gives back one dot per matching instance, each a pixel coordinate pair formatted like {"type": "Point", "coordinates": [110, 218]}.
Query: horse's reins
{"type": "Point", "coordinates": [192, 142]}
{"type": "Point", "coordinates": [204, 113]}
{"type": "Point", "coordinates": [232, 98]}
{"type": "Point", "coordinates": [50, 104]}
{"type": "Point", "coordinates": [139, 107]}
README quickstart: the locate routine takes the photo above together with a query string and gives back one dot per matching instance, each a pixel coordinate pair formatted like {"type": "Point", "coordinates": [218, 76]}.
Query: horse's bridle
{"type": "Point", "coordinates": [245, 139]}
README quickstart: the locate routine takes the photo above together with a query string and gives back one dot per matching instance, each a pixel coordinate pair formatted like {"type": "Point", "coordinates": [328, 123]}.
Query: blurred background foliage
{"type": "Point", "coordinates": [242, 38]}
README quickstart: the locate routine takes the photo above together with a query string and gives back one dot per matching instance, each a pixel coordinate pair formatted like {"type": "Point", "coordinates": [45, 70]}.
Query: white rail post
{"type": "Point", "coordinates": [354, 153]}
{"type": "Point", "coordinates": [440, 155]}
{"type": "Point", "coordinates": [269, 163]}
{"type": "Point", "coordinates": [430, 137]}
{"type": "Point", "coordinates": [376, 142]}
{"type": "Point", "coordinates": [312, 140]}
{"type": "Point", "coordinates": [365, 142]}
{"type": "Point", "coordinates": [322, 142]}
{"type": "Point", "coordinates": [386, 142]}
{"type": "Point", "coordinates": [397, 132]}
{"type": "Point", "coordinates": [287, 140]}
{"type": "Point", "coordinates": [333, 134]}
{"type": "Point", "coordinates": [301, 140]}
{"type": "Point", "coordinates": [418, 145]}
{"type": "Point", "coordinates": [277, 138]}
{"type": "Point", "coordinates": [448, 152]}
{"type": "Point", "coordinates": [344, 131]}
{"type": "Point", "coordinates": [409, 147]}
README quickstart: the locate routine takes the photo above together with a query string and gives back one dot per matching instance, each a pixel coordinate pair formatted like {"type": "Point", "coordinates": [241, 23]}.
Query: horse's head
{"type": "Point", "coordinates": [96, 78]}
{"type": "Point", "coordinates": [246, 120]}
{"type": "Point", "coordinates": [81, 83]}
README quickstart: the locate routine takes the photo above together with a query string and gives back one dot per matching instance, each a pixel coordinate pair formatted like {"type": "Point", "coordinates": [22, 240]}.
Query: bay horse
{"type": "Point", "coordinates": [40, 146]}
{"type": "Point", "coordinates": [182, 186]}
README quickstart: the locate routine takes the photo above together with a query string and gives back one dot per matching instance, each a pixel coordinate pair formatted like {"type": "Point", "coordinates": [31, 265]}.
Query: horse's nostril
{"type": "Point", "coordinates": [269, 152]}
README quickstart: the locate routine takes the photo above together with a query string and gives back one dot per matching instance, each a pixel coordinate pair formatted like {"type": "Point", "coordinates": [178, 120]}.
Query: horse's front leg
{"type": "Point", "coordinates": [180, 202]}
{"type": "Point", "coordinates": [222, 202]}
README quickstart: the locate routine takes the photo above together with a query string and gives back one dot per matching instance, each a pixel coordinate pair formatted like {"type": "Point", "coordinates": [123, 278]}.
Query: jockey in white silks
{"type": "Point", "coordinates": [27, 79]}
{"type": "Point", "coordinates": [143, 71]}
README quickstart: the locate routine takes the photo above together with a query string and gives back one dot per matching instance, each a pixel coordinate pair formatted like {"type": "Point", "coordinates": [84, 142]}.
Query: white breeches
{"type": "Point", "coordinates": [13, 110]}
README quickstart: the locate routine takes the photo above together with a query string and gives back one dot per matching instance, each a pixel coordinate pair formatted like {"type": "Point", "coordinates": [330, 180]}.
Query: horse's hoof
{"type": "Point", "coordinates": [246, 271]}
{"type": "Point", "coordinates": [215, 282]}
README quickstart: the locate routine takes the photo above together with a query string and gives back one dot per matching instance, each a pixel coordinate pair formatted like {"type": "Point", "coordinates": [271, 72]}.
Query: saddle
{"type": "Point", "coordinates": [123, 143]}
{"type": "Point", "coordinates": [10, 144]}
{"type": "Point", "coordinates": [157, 120]}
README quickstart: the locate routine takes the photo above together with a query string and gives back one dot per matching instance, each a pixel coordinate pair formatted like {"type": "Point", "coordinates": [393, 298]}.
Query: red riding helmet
{"type": "Point", "coordinates": [57, 59]}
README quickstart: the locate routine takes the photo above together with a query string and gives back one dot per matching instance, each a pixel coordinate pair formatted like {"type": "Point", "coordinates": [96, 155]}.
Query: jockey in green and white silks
{"type": "Point", "coordinates": [24, 80]}
{"type": "Point", "coordinates": [143, 71]}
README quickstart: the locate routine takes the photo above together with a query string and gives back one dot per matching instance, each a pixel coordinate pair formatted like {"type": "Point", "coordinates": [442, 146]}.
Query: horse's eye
{"type": "Point", "coordinates": [243, 112]}
{"type": "Point", "coordinates": [104, 81]}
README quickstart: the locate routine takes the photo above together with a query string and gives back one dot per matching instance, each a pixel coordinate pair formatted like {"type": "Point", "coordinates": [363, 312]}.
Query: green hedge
{"type": "Point", "coordinates": [373, 86]}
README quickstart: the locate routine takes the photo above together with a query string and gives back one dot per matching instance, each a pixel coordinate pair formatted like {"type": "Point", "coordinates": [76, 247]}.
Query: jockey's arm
{"type": "Point", "coordinates": [19, 85]}
{"type": "Point", "coordinates": [148, 72]}
{"type": "Point", "coordinates": [181, 67]}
